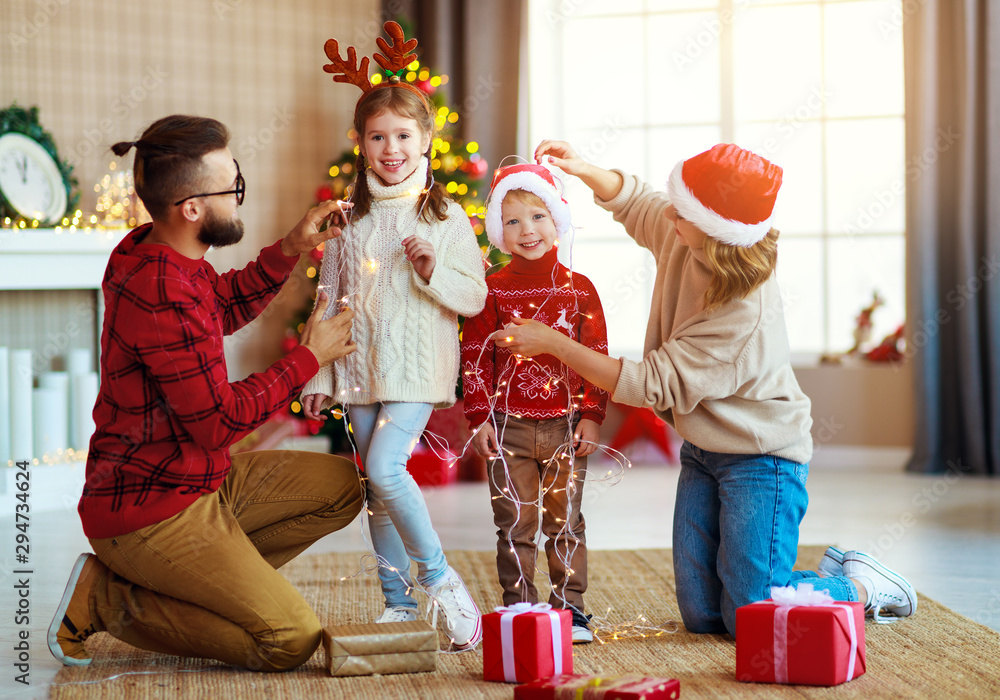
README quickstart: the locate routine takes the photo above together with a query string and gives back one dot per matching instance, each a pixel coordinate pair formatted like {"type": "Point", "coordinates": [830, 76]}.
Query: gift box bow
{"type": "Point", "coordinates": [804, 595]}
{"type": "Point", "coordinates": [507, 615]}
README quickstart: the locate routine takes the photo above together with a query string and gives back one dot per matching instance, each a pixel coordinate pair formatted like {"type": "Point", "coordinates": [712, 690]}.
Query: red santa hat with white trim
{"type": "Point", "coordinates": [529, 177]}
{"type": "Point", "coordinates": [728, 192]}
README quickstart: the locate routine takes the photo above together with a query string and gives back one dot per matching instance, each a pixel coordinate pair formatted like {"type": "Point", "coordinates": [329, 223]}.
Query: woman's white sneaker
{"type": "Point", "coordinates": [887, 590]}
{"type": "Point", "coordinates": [832, 563]}
{"type": "Point", "coordinates": [461, 615]}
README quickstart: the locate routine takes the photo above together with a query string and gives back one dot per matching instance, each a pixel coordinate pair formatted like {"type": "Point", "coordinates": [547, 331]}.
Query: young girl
{"type": "Point", "coordinates": [717, 368]}
{"type": "Point", "coordinates": [408, 264]}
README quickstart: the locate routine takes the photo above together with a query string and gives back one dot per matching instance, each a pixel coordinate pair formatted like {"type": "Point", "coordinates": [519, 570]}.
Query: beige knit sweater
{"type": "Point", "coordinates": [721, 378]}
{"type": "Point", "coordinates": [406, 329]}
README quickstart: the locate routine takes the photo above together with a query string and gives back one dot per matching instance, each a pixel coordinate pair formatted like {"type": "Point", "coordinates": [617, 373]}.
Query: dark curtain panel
{"type": "Point", "coordinates": [477, 45]}
{"type": "Point", "coordinates": [952, 63]}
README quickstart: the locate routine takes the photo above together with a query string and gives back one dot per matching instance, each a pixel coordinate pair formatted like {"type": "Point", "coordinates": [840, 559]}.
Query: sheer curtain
{"type": "Point", "coordinates": [952, 64]}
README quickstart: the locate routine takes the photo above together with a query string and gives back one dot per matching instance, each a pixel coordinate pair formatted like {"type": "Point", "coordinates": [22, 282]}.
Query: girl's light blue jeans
{"type": "Point", "coordinates": [401, 527]}
{"type": "Point", "coordinates": [736, 534]}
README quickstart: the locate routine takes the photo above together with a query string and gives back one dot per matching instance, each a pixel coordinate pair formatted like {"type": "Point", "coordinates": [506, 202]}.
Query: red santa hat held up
{"type": "Point", "coordinates": [529, 177]}
{"type": "Point", "coordinates": [728, 192]}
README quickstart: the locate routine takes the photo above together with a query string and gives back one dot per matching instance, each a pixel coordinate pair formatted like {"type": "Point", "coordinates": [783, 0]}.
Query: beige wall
{"type": "Point", "coordinates": [100, 72]}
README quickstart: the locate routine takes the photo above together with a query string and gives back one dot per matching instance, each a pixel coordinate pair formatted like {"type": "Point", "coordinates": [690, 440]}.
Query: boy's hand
{"type": "Point", "coordinates": [312, 405]}
{"type": "Point", "coordinates": [420, 253]}
{"type": "Point", "coordinates": [484, 442]}
{"type": "Point", "coordinates": [306, 234]}
{"type": "Point", "coordinates": [585, 437]}
{"type": "Point", "coordinates": [328, 340]}
{"type": "Point", "coordinates": [561, 155]}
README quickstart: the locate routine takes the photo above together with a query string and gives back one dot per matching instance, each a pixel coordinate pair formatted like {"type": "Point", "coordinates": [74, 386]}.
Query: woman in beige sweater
{"type": "Point", "coordinates": [716, 367]}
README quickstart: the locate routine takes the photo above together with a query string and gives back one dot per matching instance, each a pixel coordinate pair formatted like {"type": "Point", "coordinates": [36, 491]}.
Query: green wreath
{"type": "Point", "coordinates": [25, 121]}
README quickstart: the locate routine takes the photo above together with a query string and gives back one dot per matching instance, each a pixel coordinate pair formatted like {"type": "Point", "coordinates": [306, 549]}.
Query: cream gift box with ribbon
{"type": "Point", "coordinates": [800, 636]}
{"type": "Point", "coordinates": [524, 642]}
{"type": "Point", "coordinates": [392, 647]}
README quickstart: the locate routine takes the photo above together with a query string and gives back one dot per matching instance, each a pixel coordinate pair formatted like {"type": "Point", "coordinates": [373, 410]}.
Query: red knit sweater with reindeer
{"type": "Point", "coordinates": [493, 379]}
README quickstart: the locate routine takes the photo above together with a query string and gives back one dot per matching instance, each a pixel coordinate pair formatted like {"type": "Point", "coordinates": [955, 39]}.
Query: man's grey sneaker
{"type": "Point", "coordinates": [832, 563]}
{"type": "Point", "coordinates": [581, 627]}
{"type": "Point", "coordinates": [397, 614]}
{"type": "Point", "coordinates": [71, 623]}
{"type": "Point", "coordinates": [887, 590]}
{"type": "Point", "coordinates": [461, 615]}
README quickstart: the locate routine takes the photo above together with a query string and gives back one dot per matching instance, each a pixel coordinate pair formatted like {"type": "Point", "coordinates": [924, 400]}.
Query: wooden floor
{"type": "Point", "coordinates": [943, 533]}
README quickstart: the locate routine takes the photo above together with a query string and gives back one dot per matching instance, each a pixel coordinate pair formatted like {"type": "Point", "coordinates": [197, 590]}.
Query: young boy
{"type": "Point", "coordinates": [535, 420]}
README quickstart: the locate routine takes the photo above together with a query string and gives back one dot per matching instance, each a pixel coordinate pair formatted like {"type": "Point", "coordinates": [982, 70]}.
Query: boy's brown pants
{"type": "Point", "coordinates": [514, 485]}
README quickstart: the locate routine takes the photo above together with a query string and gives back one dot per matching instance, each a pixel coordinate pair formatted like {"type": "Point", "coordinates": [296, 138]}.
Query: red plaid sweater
{"type": "Point", "coordinates": [542, 387]}
{"type": "Point", "coordinates": [166, 413]}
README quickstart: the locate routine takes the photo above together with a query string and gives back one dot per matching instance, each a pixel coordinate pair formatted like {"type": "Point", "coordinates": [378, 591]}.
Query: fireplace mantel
{"type": "Point", "coordinates": [64, 258]}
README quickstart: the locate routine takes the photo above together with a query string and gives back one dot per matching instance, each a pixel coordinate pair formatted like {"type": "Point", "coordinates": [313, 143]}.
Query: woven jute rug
{"type": "Point", "coordinates": [936, 653]}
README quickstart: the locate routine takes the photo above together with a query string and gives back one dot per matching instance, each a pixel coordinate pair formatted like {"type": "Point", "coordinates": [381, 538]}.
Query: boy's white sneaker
{"type": "Point", "coordinates": [461, 615]}
{"type": "Point", "coordinates": [832, 563]}
{"type": "Point", "coordinates": [581, 632]}
{"type": "Point", "coordinates": [887, 590]}
{"type": "Point", "coordinates": [397, 614]}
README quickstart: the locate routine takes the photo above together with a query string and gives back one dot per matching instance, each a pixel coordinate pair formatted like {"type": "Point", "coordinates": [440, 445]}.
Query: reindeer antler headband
{"type": "Point", "coordinates": [394, 58]}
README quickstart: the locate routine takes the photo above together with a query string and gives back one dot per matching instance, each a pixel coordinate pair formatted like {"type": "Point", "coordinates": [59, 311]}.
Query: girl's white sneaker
{"type": "Point", "coordinates": [461, 615]}
{"type": "Point", "coordinates": [397, 614]}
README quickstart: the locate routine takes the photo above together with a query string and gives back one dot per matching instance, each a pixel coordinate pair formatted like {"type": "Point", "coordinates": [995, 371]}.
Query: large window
{"type": "Point", "coordinates": [816, 86]}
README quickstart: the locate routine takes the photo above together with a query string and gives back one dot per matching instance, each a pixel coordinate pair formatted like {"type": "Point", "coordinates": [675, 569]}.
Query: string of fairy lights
{"type": "Point", "coordinates": [118, 206]}
{"type": "Point", "coordinates": [349, 391]}
{"type": "Point", "coordinates": [447, 156]}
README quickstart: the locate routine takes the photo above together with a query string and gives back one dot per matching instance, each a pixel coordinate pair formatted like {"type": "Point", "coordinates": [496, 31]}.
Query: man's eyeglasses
{"type": "Point", "coordinates": [240, 191]}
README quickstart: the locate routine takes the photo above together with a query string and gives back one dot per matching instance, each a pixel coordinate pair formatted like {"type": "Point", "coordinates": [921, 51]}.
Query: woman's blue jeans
{"type": "Point", "coordinates": [401, 527]}
{"type": "Point", "coordinates": [736, 534]}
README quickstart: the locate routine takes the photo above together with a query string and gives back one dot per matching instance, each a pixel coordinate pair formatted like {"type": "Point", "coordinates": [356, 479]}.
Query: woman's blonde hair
{"type": "Point", "coordinates": [736, 270]}
{"type": "Point", "coordinates": [405, 103]}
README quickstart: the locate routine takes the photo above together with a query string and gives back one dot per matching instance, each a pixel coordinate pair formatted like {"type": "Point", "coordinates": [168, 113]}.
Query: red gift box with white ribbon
{"type": "Point", "coordinates": [800, 636]}
{"type": "Point", "coordinates": [571, 687]}
{"type": "Point", "coordinates": [525, 642]}
{"type": "Point", "coordinates": [432, 467]}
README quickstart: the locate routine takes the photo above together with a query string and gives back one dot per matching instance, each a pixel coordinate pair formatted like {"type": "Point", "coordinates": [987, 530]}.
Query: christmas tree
{"type": "Point", "coordinates": [457, 165]}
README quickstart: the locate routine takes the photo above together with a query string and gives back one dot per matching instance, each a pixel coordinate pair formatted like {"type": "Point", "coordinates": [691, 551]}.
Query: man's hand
{"type": "Point", "coordinates": [586, 437]}
{"type": "Point", "coordinates": [484, 442]}
{"type": "Point", "coordinates": [328, 340]}
{"type": "Point", "coordinates": [312, 405]}
{"type": "Point", "coordinates": [420, 253]}
{"type": "Point", "coordinates": [306, 234]}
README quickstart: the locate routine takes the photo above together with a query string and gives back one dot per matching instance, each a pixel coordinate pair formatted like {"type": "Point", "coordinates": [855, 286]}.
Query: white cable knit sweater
{"type": "Point", "coordinates": [406, 329]}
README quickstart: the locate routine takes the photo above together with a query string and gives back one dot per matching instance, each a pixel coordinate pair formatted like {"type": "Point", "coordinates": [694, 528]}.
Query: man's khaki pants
{"type": "Point", "coordinates": [528, 446]}
{"type": "Point", "coordinates": [203, 583]}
